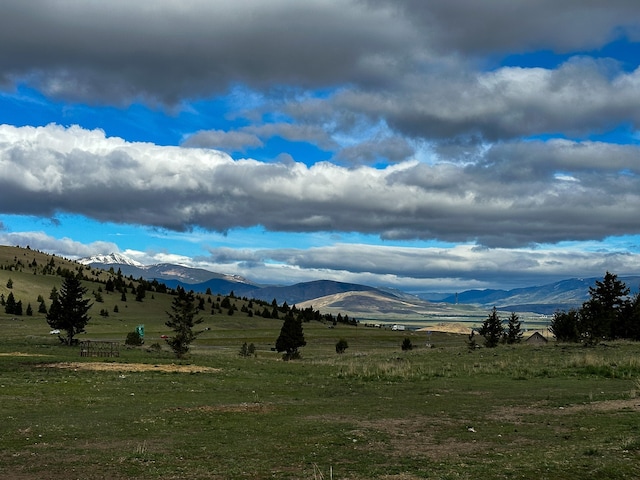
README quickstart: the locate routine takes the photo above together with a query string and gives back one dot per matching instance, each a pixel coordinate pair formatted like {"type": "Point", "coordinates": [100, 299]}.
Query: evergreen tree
{"type": "Point", "coordinates": [69, 309]}
{"type": "Point", "coordinates": [291, 337]}
{"type": "Point", "coordinates": [514, 329]}
{"type": "Point", "coordinates": [29, 310]}
{"type": "Point", "coordinates": [565, 325]}
{"type": "Point", "coordinates": [602, 316]}
{"type": "Point", "coordinates": [492, 329]}
{"type": "Point", "coordinates": [181, 321]}
{"type": "Point", "coordinates": [10, 304]}
{"type": "Point", "coordinates": [140, 292]}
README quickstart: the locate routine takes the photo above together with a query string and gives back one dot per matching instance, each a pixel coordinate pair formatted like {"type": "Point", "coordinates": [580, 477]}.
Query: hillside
{"type": "Point", "coordinates": [543, 299]}
{"type": "Point", "coordinates": [379, 306]}
{"type": "Point", "coordinates": [30, 276]}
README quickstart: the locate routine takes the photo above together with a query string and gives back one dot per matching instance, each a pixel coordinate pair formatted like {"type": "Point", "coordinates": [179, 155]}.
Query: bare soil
{"type": "Point", "coordinates": [131, 367]}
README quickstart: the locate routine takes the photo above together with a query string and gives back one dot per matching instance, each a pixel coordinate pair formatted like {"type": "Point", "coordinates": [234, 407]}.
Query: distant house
{"type": "Point", "coordinates": [536, 339]}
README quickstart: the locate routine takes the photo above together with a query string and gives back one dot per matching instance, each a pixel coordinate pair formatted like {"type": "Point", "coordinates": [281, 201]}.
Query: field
{"type": "Point", "coordinates": [374, 412]}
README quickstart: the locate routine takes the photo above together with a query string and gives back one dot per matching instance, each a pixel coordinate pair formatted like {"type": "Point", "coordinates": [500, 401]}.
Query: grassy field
{"type": "Point", "coordinates": [375, 412]}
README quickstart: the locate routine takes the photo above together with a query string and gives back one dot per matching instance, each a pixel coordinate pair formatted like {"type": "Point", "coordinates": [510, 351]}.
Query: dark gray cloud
{"type": "Point", "coordinates": [118, 52]}
{"type": "Point", "coordinates": [580, 97]}
{"type": "Point", "coordinates": [472, 27]}
{"type": "Point", "coordinates": [383, 150]}
{"type": "Point", "coordinates": [515, 194]}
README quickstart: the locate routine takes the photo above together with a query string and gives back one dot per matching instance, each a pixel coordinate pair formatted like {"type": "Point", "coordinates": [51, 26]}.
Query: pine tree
{"type": "Point", "coordinates": [602, 316]}
{"type": "Point", "coordinates": [291, 337]}
{"type": "Point", "coordinates": [514, 329]}
{"type": "Point", "coordinates": [69, 309]}
{"type": "Point", "coordinates": [492, 329]}
{"type": "Point", "coordinates": [181, 321]}
{"type": "Point", "coordinates": [10, 304]}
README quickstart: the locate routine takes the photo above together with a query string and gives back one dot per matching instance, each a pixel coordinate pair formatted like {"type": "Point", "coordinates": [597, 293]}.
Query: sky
{"type": "Point", "coordinates": [428, 146]}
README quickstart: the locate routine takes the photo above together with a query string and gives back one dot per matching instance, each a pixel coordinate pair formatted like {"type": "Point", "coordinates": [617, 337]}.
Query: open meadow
{"type": "Point", "coordinates": [374, 412]}
{"type": "Point", "coordinates": [552, 411]}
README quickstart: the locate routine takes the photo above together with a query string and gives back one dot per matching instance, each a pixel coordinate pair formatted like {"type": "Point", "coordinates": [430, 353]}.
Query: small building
{"type": "Point", "coordinates": [536, 339]}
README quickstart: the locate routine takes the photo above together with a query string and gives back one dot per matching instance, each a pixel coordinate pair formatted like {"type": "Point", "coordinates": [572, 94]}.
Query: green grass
{"type": "Point", "coordinates": [375, 412]}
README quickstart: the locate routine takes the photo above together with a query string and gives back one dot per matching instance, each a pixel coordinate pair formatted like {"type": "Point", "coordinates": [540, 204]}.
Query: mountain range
{"type": "Point", "coordinates": [361, 299]}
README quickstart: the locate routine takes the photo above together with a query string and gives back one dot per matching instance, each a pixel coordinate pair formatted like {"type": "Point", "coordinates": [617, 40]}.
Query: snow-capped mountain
{"type": "Point", "coordinates": [160, 271]}
{"type": "Point", "coordinates": [111, 259]}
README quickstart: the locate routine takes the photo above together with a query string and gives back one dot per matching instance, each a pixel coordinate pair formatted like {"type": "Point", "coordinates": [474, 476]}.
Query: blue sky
{"type": "Point", "coordinates": [427, 146]}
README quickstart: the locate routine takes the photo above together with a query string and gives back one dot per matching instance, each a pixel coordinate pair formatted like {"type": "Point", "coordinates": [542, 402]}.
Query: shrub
{"type": "Point", "coordinates": [341, 346]}
{"type": "Point", "coordinates": [134, 339]}
{"type": "Point", "coordinates": [406, 344]}
{"type": "Point", "coordinates": [247, 350]}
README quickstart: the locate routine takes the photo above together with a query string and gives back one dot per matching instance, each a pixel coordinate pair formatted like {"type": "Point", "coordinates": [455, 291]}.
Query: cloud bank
{"type": "Point", "coordinates": [513, 195]}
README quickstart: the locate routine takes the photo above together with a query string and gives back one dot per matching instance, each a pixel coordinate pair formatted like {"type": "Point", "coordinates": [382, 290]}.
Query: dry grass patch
{"type": "Point", "coordinates": [21, 354]}
{"type": "Point", "coordinates": [131, 367]}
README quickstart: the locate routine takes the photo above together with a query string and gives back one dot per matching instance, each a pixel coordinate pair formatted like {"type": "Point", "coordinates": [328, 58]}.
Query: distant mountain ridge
{"type": "Point", "coordinates": [159, 271]}
{"type": "Point", "coordinates": [543, 299]}
{"type": "Point", "coordinates": [562, 295]}
{"type": "Point", "coordinates": [200, 280]}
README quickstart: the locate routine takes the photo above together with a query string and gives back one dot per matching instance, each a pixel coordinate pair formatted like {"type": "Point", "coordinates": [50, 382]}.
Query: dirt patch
{"type": "Point", "coordinates": [20, 354]}
{"type": "Point", "coordinates": [515, 414]}
{"type": "Point", "coordinates": [131, 367]}
{"type": "Point", "coordinates": [418, 437]}
{"type": "Point", "coordinates": [447, 327]}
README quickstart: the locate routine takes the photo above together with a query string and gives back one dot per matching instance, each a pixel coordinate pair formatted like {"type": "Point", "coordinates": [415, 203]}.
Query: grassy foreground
{"type": "Point", "coordinates": [375, 412]}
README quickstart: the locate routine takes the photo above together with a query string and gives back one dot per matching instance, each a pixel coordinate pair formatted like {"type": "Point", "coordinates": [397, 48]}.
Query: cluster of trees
{"type": "Point", "coordinates": [610, 313]}
{"type": "Point", "coordinates": [494, 330]}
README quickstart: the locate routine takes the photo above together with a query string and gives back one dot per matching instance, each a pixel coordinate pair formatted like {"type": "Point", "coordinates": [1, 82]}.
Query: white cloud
{"type": "Point", "coordinates": [64, 247]}
{"type": "Point", "coordinates": [510, 196]}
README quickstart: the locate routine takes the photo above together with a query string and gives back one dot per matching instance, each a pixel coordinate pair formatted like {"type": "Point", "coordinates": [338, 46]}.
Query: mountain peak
{"type": "Point", "coordinates": [112, 258]}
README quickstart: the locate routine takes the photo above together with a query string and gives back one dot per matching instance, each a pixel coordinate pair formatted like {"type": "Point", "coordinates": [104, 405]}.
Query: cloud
{"type": "Point", "coordinates": [514, 194]}
{"type": "Point", "coordinates": [385, 150]}
{"type": "Point", "coordinates": [221, 140]}
{"type": "Point", "coordinates": [83, 51]}
{"type": "Point", "coordinates": [119, 52]}
{"type": "Point", "coordinates": [472, 27]}
{"type": "Point", "coordinates": [506, 103]}
{"type": "Point", "coordinates": [416, 269]}
{"type": "Point", "coordinates": [252, 136]}
{"type": "Point", "coordinates": [65, 247]}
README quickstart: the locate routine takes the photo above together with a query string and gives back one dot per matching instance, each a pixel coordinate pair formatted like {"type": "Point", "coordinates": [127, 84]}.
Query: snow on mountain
{"type": "Point", "coordinates": [112, 258]}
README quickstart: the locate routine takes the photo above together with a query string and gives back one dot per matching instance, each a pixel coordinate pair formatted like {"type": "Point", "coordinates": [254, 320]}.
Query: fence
{"type": "Point", "coordinates": [90, 348]}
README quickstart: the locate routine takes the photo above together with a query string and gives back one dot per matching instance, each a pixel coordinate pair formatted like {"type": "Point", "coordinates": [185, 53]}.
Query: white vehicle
{"type": "Point", "coordinates": [54, 332]}
{"type": "Point", "coordinates": [397, 327]}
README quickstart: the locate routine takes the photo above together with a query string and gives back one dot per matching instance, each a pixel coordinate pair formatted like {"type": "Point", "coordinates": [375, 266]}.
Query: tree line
{"type": "Point", "coordinates": [610, 313]}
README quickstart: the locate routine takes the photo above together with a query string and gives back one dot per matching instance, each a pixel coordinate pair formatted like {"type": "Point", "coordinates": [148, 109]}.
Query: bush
{"type": "Point", "coordinates": [406, 344]}
{"type": "Point", "coordinates": [247, 350]}
{"type": "Point", "coordinates": [341, 346]}
{"type": "Point", "coordinates": [134, 339]}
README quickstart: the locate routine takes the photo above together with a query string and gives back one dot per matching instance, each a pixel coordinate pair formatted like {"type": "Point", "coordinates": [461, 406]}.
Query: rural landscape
{"type": "Point", "coordinates": [320, 240]}
{"type": "Point", "coordinates": [231, 407]}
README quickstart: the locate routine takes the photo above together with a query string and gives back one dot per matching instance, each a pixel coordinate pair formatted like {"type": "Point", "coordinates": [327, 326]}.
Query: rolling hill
{"type": "Point", "coordinates": [544, 299]}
